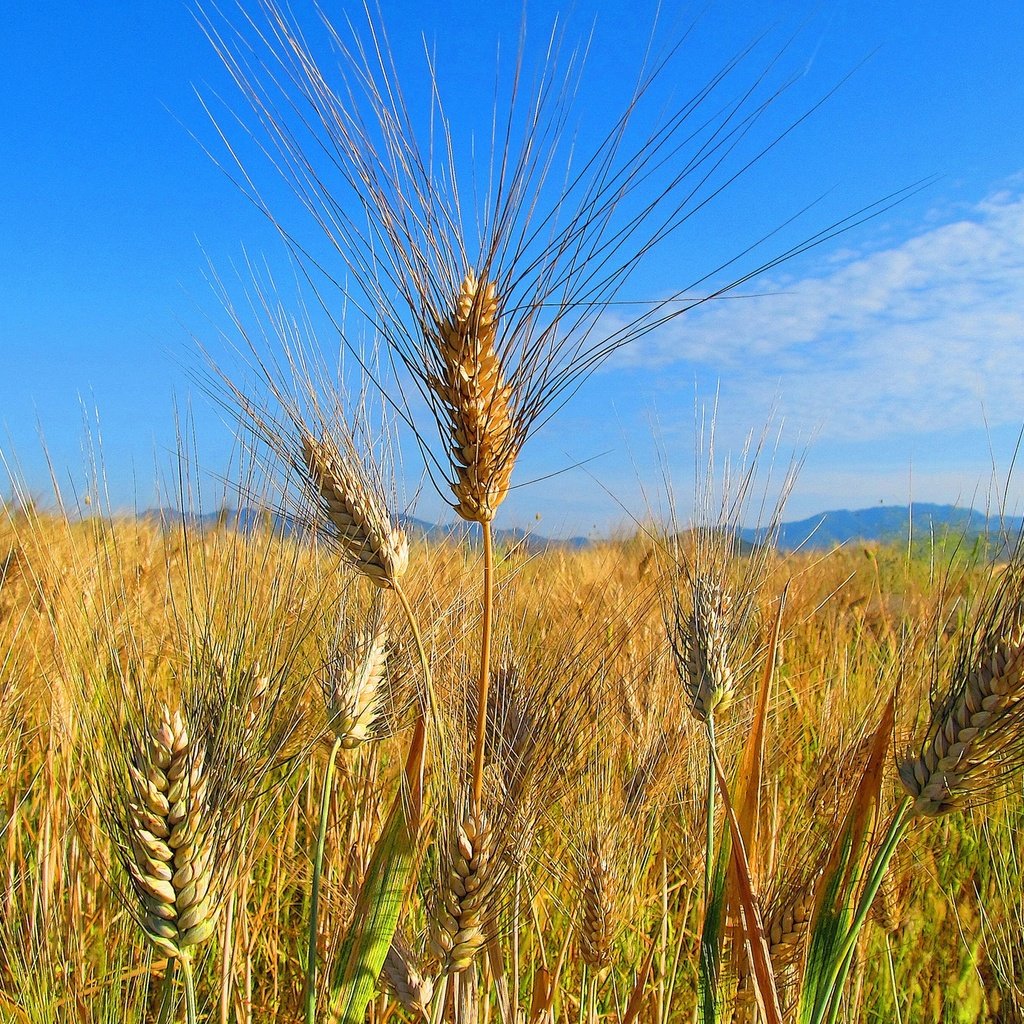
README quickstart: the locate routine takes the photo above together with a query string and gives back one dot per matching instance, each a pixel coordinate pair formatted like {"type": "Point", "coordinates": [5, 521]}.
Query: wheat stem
{"type": "Point", "coordinates": [227, 964]}
{"type": "Point", "coordinates": [191, 1010]}
{"type": "Point", "coordinates": [709, 848]}
{"type": "Point", "coordinates": [167, 993]}
{"type": "Point", "coordinates": [841, 965]}
{"type": "Point", "coordinates": [318, 864]}
{"type": "Point", "coordinates": [410, 616]}
{"type": "Point", "coordinates": [440, 1000]}
{"type": "Point", "coordinates": [483, 683]}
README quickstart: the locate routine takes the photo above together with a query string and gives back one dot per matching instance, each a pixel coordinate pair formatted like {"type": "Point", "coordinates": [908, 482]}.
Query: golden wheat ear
{"type": "Point", "coordinates": [406, 978]}
{"type": "Point", "coordinates": [361, 524]}
{"type": "Point", "coordinates": [169, 853]}
{"type": "Point", "coordinates": [701, 640]}
{"type": "Point", "coordinates": [459, 915]}
{"type": "Point", "coordinates": [598, 894]}
{"type": "Point", "coordinates": [975, 734]}
{"type": "Point", "coordinates": [354, 689]}
{"type": "Point", "coordinates": [471, 388]}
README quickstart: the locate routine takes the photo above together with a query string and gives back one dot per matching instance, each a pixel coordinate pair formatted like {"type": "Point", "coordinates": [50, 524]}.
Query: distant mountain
{"type": "Point", "coordinates": [246, 519]}
{"type": "Point", "coordinates": [883, 523]}
{"type": "Point", "coordinates": [890, 523]}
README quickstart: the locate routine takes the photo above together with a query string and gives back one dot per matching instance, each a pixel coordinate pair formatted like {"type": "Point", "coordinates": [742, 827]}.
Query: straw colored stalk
{"type": "Point", "coordinates": [169, 852]}
{"type": "Point", "coordinates": [977, 724]}
{"type": "Point", "coordinates": [361, 524]}
{"type": "Point", "coordinates": [476, 399]}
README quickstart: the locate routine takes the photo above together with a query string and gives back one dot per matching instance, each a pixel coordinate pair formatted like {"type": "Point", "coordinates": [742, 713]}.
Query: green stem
{"type": "Point", "coordinates": [167, 994]}
{"type": "Point", "coordinates": [841, 966]}
{"type": "Point", "coordinates": [318, 864]}
{"type": "Point", "coordinates": [483, 683]}
{"type": "Point", "coordinates": [440, 998]}
{"type": "Point", "coordinates": [227, 965]}
{"type": "Point", "coordinates": [709, 850]}
{"type": "Point", "coordinates": [191, 1011]}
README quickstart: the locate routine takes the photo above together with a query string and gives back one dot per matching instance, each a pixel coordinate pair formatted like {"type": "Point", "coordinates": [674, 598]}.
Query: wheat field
{"type": "Point", "coordinates": [129, 648]}
{"type": "Point", "coordinates": [309, 766]}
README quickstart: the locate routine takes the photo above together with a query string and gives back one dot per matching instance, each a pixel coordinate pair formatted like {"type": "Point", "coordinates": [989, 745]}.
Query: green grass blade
{"type": "Point", "coordinates": [379, 904]}
{"type": "Point", "coordinates": [711, 936]}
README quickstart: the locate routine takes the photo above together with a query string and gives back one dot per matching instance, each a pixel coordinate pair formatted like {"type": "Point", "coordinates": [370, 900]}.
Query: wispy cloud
{"type": "Point", "coordinates": [922, 337]}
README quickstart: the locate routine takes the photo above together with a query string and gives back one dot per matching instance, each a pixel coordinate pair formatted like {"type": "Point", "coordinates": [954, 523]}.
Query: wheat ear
{"type": "Point", "coordinates": [701, 646]}
{"type": "Point", "coordinates": [969, 729]}
{"type": "Point", "coordinates": [361, 523]}
{"type": "Point", "coordinates": [354, 693]}
{"type": "Point", "coordinates": [598, 886]}
{"type": "Point", "coordinates": [170, 859]}
{"type": "Point", "coordinates": [457, 931]}
{"type": "Point", "coordinates": [787, 928]}
{"type": "Point", "coordinates": [477, 399]}
{"type": "Point", "coordinates": [405, 978]}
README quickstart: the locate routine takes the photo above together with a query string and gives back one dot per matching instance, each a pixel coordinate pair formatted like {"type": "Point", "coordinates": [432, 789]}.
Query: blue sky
{"type": "Point", "coordinates": [893, 353]}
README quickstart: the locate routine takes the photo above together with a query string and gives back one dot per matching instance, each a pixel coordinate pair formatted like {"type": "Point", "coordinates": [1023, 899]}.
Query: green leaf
{"type": "Point", "coordinates": [835, 926]}
{"type": "Point", "coordinates": [711, 937]}
{"type": "Point", "coordinates": [381, 897]}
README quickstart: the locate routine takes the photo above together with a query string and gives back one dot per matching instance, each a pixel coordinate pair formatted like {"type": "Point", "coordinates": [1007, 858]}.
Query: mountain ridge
{"type": "Point", "coordinates": [822, 531]}
{"type": "Point", "coordinates": [889, 523]}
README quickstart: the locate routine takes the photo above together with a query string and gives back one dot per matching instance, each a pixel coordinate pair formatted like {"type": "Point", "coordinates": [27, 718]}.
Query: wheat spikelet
{"type": "Point", "coordinates": [887, 908]}
{"type": "Point", "coordinates": [787, 927]}
{"type": "Point", "coordinates": [598, 894]}
{"type": "Point", "coordinates": [511, 732]}
{"type": "Point", "coordinates": [405, 978]}
{"type": "Point", "coordinates": [361, 524]}
{"type": "Point", "coordinates": [248, 684]}
{"type": "Point", "coordinates": [353, 692]}
{"type": "Point", "coordinates": [477, 400]}
{"type": "Point", "coordinates": [457, 931]}
{"type": "Point", "coordinates": [970, 727]}
{"type": "Point", "coordinates": [701, 646]}
{"type": "Point", "coordinates": [170, 859]}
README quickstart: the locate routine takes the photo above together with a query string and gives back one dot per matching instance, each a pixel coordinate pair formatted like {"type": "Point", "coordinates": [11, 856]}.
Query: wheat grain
{"type": "Point", "coordinates": [701, 644]}
{"type": "Point", "coordinates": [598, 893]}
{"type": "Point", "coordinates": [458, 920]}
{"type": "Point", "coordinates": [974, 724]}
{"type": "Point", "coordinates": [354, 689]}
{"type": "Point", "coordinates": [405, 978]}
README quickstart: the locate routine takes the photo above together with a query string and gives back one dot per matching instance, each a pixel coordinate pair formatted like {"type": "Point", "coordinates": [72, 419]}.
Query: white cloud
{"type": "Point", "coordinates": [923, 337]}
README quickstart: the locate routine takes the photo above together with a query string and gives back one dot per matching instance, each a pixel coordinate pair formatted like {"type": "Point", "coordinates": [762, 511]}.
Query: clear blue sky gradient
{"type": "Point", "coordinates": [895, 350]}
